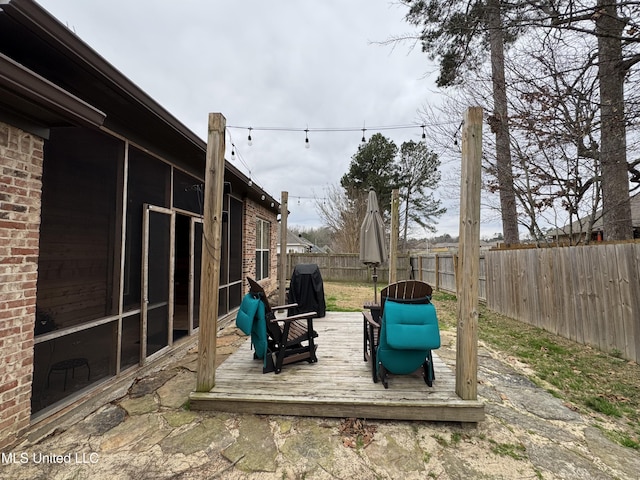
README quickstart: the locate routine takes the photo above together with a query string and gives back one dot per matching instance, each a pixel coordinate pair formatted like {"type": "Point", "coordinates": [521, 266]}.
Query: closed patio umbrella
{"type": "Point", "coordinates": [373, 250]}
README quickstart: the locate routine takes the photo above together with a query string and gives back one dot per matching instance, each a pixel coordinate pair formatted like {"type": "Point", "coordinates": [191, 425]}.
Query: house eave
{"type": "Point", "coordinates": [80, 87]}
{"type": "Point", "coordinates": [35, 99]}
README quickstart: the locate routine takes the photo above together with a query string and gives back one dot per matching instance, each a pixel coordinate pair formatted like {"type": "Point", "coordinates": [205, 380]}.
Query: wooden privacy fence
{"type": "Point", "coordinates": [346, 267]}
{"type": "Point", "coordinates": [436, 269]}
{"type": "Point", "coordinates": [589, 294]}
{"type": "Point", "coordinates": [439, 271]}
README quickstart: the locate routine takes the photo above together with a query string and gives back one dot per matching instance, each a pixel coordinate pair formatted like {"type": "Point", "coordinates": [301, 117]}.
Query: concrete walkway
{"type": "Point", "coordinates": [149, 433]}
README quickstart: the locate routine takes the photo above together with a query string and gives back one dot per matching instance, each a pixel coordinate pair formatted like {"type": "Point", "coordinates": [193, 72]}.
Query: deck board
{"type": "Point", "coordinates": [339, 385]}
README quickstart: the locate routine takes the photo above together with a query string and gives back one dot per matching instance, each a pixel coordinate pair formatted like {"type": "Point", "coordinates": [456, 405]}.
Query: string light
{"type": "Point", "coordinates": [235, 153]}
{"type": "Point", "coordinates": [455, 134]}
{"type": "Point", "coordinates": [298, 198]}
{"type": "Point", "coordinates": [362, 129]}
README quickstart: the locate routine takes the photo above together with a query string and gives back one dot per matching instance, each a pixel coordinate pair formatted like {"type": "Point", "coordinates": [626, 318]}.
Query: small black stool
{"type": "Point", "coordinates": [66, 365]}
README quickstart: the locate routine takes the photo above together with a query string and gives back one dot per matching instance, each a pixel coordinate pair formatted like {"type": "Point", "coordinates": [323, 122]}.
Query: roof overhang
{"type": "Point", "coordinates": [37, 103]}
{"type": "Point", "coordinates": [55, 77]}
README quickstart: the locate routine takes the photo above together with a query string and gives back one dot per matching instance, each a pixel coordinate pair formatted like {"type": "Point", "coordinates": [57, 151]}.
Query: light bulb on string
{"type": "Point", "coordinates": [364, 140]}
{"type": "Point", "coordinates": [455, 134]}
{"type": "Point", "coordinates": [249, 140]}
{"type": "Point", "coordinates": [306, 138]}
{"type": "Point", "coordinates": [233, 152]}
{"type": "Point", "coordinates": [424, 135]}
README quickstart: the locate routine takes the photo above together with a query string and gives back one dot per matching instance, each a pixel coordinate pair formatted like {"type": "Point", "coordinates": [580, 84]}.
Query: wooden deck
{"type": "Point", "coordinates": [339, 385]}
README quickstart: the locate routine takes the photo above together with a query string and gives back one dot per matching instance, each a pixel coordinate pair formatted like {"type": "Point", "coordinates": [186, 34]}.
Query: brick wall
{"type": "Point", "coordinates": [253, 211]}
{"type": "Point", "coordinates": [20, 190]}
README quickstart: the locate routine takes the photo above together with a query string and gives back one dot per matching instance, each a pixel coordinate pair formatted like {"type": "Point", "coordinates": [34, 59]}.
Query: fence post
{"type": "Point", "coordinates": [469, 248]}
{"type": "Point", "coordinates": [456, 277]}
{"type": "Point", "coordinates": [282, 274]}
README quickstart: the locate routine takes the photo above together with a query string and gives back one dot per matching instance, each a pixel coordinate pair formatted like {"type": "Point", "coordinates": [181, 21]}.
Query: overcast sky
{"type": "Point", "coordinates": [289, 64]}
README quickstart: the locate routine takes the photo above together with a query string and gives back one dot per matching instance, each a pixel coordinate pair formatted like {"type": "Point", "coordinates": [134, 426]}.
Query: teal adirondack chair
{"type": "Point", "coordinates": [252, 321]}
{"type": "Point", "coordinates": [277, 341]}
{"type": "Point", "coordinates": [408, 333]}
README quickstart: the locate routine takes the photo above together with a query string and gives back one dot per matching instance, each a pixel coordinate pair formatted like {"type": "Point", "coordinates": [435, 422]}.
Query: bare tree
{"type": "Point", "coordinates": [499, 123]}
{"type": "Point", "coordinates": [342, 212]}
{"type": "Point", "coordinates": [459, 35]}
{"type": "Point", "coordinates": [555, 117]}
{"type": "Point", "coordinates": [613, 23]}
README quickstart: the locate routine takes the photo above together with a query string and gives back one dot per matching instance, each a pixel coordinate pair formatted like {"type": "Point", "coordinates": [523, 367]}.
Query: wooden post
{"type": "Point", "coordinates": [282, 271]}
{"type": "Point", "coordinates": [469, 257]}
{"type": "Point", "coordinates": [211, 251]}
{"type": "Point", "coordinates": [456, 276]}
{"type": "Point", "coordinates": [395, 232]}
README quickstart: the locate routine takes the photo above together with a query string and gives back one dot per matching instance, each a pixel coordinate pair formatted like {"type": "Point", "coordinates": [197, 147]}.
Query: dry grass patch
{"type": "Point", "coordinates": [348, 297]}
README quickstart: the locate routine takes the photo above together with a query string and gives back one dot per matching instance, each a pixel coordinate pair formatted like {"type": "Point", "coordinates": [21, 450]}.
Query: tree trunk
{"type": "Point", "coordinates": [499, 123]}
{"type": "Point", "coordinates": [616, 211]}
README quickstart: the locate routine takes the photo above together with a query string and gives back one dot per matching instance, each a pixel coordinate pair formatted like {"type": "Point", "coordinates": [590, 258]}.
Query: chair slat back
{"type": "Point", "coordinates": [405, 290]}
{"type": "Point", "coordinates": [256, 288]}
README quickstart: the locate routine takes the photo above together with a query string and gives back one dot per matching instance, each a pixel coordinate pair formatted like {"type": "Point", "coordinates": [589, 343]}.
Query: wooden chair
{"type": "Point", "coordinates": [406, 290]}
{"type": "Point", "coordinates": [288, 339]}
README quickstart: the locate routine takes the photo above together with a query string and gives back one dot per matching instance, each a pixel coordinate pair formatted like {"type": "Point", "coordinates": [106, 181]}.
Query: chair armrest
{"type": "Point", "coordinates": [284, 307]}
{"type": "Point", "coordinates": [300, 316]}
{"type": "Point", "coordinates": [369, 318]}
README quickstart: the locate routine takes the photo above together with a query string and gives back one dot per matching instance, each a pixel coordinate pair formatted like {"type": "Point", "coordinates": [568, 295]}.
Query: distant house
{"type": "Point", "coordinates": [101, 221]}
{"type": "Point", "coordinates": [299, 244]}
{"type": "Point", "coordinates": [576, 231]}
{"type": "Point", "coordinates": [449, 247]}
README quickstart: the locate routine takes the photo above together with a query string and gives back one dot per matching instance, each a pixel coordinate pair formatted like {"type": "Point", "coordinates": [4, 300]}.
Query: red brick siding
{"type": "Point", "coordinates": [20, 191]}
{"type": "Point", "coordinates": [253, 211]}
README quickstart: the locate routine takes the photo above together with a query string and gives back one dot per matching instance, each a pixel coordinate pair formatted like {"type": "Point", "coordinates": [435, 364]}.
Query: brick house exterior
{"type": "Point", "coordinates": [253, 212]}
{"type": "Point", "coordinates": [20, 186]}
{"type": "Point", "coordinates": [81, 177]}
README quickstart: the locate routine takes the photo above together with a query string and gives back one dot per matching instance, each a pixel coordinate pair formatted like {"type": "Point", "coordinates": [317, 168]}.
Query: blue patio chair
{"type": "Point", "coordinates": [276, 341]}
{"type": "Point", "coordinates": [408, 333]}
{"type": "Point", "coordinates": [404, 291]}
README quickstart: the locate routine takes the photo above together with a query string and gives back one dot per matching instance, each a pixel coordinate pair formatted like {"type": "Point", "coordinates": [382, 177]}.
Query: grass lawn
{"type": "Point", "coordinates": [600, 384]}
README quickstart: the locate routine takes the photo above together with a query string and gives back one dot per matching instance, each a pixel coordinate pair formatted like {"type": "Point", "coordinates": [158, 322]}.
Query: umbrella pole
{"type": "Point", "coordinates": [375, 282]}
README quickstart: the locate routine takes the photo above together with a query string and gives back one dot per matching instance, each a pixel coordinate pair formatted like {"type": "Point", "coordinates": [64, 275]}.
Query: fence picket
{"type": "Point", "coordinates": [590, 294]}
